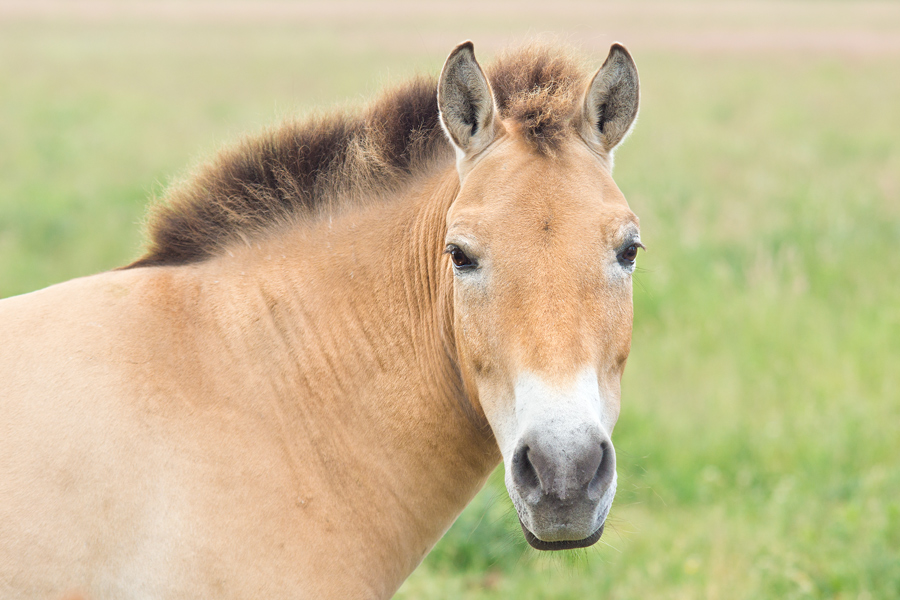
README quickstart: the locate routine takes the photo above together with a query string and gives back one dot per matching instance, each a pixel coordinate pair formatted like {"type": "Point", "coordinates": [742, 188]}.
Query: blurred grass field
{"type": "Point", "coordinates": [759, 438]}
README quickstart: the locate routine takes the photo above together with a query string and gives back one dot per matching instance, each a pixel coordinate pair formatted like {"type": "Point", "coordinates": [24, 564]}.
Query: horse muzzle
{"type": "Point", "coordinates": [563, 487]}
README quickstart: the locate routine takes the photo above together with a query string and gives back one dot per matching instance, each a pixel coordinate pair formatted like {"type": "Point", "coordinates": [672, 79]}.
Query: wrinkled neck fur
{"type": "Point", "coordinates": [349, 324]}
{"type": "Point", "coordinates": [372, 282]}
{"type": "Point", "coordinates": [345, 331]}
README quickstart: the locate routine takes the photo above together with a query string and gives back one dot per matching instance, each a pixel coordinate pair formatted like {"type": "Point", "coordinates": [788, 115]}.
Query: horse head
{"type": "Point", "coordinates": [542, 246]}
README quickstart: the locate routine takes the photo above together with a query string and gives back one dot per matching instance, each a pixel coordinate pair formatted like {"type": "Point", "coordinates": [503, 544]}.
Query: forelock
{"type": "Point", "coordinates": [538, 89]}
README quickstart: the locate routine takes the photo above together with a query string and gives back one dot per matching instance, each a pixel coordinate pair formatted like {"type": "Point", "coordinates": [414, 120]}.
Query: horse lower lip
{"type": "Point", "coordinates": [539, 544]}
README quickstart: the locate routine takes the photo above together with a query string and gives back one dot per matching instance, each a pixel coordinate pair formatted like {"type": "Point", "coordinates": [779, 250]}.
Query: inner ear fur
{"type": "Point", "coordinates": [466, 103]}
{"type": "Point", "coordinates": [611, 100]}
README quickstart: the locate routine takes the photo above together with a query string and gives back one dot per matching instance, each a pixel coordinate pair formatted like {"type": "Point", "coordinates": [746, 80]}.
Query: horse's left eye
{"type": "Point", "coordinates": [629, 254]}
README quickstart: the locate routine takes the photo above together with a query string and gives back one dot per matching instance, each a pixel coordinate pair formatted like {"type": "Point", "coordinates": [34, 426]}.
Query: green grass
{"type": "Point", "coordinates": [758, 442]}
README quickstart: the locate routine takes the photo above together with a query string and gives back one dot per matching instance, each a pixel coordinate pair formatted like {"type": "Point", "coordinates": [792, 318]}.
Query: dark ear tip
{"type": "Point", "coordinates": [619, 49]}
{"type": "Point", "coordinates": [466, 46]}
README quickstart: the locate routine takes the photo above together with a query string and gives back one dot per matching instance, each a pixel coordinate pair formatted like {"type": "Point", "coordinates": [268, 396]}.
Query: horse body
{"type": "Point", "coordinates": [185, 394]}
{"type": "Point", "coordinates": [305, 412]}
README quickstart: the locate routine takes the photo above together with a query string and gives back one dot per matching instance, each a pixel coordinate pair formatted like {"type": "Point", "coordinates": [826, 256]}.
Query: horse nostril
{"type": "Point", "coordinates": [605, 470]}
{"type": "Point", "coordinates": [524, 474]}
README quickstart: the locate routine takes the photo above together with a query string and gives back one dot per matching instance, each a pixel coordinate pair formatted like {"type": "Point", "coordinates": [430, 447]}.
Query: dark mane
{"type": "Point", "coordinates": [302, 169]}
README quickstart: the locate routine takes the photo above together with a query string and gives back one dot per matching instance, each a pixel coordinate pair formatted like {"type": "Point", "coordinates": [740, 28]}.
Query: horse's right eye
{"type": "Point", "coordinates": [628, 255]}
{"type": "Point", "coordinates": [459, 258]}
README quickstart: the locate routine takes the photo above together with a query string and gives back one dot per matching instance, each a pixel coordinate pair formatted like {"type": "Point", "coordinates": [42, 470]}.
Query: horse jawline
{"type": "Point", "coordinates": [538, 544]}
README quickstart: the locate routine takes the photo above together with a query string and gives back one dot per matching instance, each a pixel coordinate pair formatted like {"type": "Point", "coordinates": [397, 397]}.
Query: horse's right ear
{"type": "Point", "coordinates": [466, 103]}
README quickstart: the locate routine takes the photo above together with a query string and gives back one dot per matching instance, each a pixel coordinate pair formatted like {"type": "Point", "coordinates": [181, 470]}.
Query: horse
{"type": "Point", "coordinates": [339, 328]}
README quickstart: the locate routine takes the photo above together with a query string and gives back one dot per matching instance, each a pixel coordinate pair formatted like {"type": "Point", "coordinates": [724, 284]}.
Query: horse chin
{"type": "Point", "coordinates": [539, 544]}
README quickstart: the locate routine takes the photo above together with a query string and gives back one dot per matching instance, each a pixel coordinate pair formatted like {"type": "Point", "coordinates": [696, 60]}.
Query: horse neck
{"type": "Point", "coordinates": [350, 324]}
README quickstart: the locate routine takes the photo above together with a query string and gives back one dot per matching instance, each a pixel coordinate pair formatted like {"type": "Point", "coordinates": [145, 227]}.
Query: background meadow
{"type": "Point", "coordinates": [759, 438]}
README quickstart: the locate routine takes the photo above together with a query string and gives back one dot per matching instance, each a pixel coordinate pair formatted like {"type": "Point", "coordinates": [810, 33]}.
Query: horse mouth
{"type": "Point", "coordinates": [539, 544]}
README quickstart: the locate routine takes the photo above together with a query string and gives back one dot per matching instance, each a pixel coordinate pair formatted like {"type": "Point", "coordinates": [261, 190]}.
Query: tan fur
{"type": "Point", "coordinates": [273, 404]}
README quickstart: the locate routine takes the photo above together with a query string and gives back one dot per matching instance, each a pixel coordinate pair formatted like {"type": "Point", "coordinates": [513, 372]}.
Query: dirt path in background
{"type": "Point", "coordinates": [866, 28]}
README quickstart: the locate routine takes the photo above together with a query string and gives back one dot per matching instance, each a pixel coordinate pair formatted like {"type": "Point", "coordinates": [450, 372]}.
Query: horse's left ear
{"type": "Point", "coordinates": [611, 101]}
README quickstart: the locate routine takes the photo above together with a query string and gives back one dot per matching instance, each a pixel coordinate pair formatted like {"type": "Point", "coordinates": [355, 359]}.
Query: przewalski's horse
{"type": "Point", "coordinates": [338, 330]}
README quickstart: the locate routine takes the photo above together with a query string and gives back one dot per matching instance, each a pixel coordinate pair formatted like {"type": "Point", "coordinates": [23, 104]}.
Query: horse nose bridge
{"type": "Point", "coordinates": [552, 336]}
{"type": "Point", "coordinates": [547, 315]}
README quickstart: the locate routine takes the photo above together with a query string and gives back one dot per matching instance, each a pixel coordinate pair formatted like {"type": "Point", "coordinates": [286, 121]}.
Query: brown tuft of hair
{"type": "Point", "coordinates": [302, 169]}
{"type": "Point", "coordinates": [538, 89]}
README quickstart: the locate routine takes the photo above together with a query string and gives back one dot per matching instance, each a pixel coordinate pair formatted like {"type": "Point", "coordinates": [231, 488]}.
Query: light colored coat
{"type": "Point", "coordinates": [302, 409]}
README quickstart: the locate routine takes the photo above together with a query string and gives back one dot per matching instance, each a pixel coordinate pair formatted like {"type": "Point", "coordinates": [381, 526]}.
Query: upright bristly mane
{"type": "Point", "coordinates": [302, 169]}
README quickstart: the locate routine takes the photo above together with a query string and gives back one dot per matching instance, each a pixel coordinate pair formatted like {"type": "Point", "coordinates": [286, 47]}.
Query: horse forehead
{"type": "Point", "coordinates": [517, 191]}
